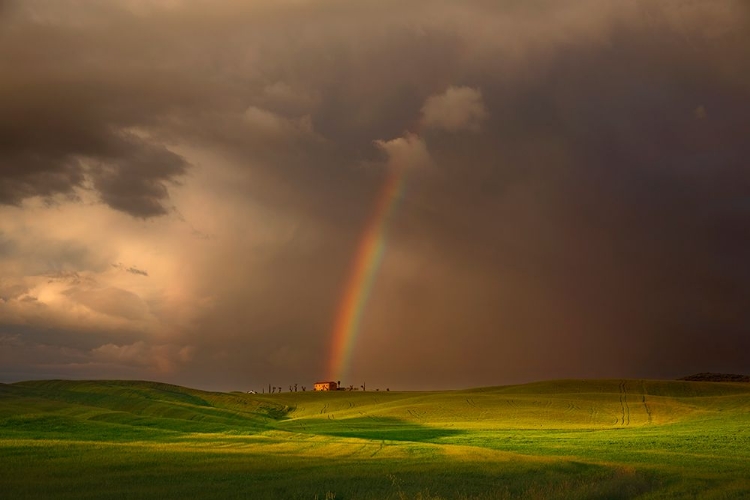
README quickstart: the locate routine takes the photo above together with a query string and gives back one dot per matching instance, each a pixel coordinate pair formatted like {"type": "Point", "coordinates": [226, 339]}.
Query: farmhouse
{"type": "Point", "coordinates": [326, 386]}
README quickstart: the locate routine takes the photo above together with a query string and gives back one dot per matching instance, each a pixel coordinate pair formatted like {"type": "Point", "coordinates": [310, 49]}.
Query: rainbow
{"type": "Point", "coordinates": [362, 275]}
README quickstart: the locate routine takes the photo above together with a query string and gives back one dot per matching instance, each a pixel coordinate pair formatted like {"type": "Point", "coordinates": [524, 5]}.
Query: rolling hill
{"type": "Point", "coordinates": [560, 439]}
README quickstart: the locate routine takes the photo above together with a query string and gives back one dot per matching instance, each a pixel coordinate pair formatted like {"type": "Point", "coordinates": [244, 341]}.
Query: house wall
{"type": "Point", "coordinates": [325, 386]}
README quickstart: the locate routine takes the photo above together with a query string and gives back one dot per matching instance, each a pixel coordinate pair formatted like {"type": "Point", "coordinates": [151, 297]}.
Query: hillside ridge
{"type": "Point", "coordinates": [716, 377]}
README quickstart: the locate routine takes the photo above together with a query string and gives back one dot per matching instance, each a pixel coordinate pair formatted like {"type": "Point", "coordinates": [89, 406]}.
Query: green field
{"type": "Point", "coordinates": [561, 439]}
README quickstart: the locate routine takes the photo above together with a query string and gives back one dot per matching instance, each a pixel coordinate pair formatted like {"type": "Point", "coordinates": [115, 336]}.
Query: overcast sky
{"type": "Point", "coordinates": [184, 185]}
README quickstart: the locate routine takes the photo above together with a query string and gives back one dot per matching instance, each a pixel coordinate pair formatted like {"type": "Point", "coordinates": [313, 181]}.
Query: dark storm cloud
{"type": "Point", "coordinates": [65, 117]}
{"type": "Point", "coordinates": [581, 212]}
{"type": "Point", "coordinates": [43, 152]}
{"type": "Point", "coordinates": [604, 203]}
{"type": "Point", "coordinates": [134, 182]}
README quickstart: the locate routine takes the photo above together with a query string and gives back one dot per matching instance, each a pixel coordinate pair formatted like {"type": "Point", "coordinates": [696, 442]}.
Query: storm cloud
{"type": "Point", "coordinates": [184, 185]}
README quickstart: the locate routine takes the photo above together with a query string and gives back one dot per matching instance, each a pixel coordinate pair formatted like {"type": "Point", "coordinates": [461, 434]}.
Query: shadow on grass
{"type": "Point", "coordinates": [275, 412]}
{"type": "Point", "coordinates": [380, 428]}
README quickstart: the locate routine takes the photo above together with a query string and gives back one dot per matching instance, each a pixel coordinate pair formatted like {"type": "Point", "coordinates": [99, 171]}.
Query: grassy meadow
{"type": "Point", "coordinates": [561, 439]}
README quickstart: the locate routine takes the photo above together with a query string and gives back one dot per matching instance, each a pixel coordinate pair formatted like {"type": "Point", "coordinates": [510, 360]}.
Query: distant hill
{"type": "Point", "coordinates": [716, 377]}
{"type": "Point", "coordinates": [135, 410]}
